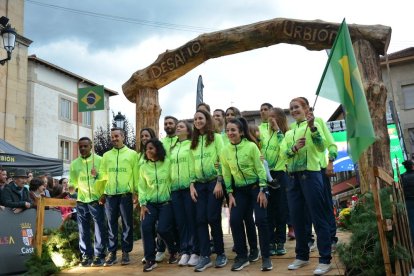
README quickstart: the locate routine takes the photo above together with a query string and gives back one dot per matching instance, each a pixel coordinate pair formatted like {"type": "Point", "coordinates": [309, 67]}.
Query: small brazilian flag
{"type": "Point", "coordinates": [91, 98]}
{"type": "Point", "coordinates": [341, 82]}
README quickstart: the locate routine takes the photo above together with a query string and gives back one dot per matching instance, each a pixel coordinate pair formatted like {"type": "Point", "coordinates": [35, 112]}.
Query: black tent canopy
{"type": "Point", "coordinates": [12, 157]}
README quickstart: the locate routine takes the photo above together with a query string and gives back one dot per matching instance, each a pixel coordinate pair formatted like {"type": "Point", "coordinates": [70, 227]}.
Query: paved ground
{"type": "Point", "coordinates": [279, 264]}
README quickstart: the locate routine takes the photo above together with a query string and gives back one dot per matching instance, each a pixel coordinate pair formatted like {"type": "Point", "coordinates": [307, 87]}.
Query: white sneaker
{"type": "Point", "coordinates": [193, 261]}
{"type": "Point", "coordinates": [184, 260]}
{"type": "Point", "coordinates": [159, 257]}
{"type": "Point", "coordinates": [297, 264]}
{"type": "Point", "coordinates": [322, 269]}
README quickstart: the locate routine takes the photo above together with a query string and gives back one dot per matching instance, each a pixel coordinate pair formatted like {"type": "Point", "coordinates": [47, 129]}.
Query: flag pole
{"type": "Point", "coordinates": [93, 140]}
{"type": "Point", "coordinates": [326, 69]}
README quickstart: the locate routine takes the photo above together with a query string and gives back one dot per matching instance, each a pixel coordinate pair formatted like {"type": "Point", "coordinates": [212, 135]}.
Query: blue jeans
{"type": "Point", "coordinates": [246, 200]}
{"type": "Point", "coordinates": [306, 190]}
{"type": "Point", "coordinates": [158, 220]}
{"type": "Point", "coordinates": [116, 205]}
{"type": "Point", "coordinates": [208, 212]}
{"type": "Point", "coordinates": [184, 214]}
{"type": "Point", "coordinates": [86, 213]}
{"type": "Point", "coordinates": [278, 209]}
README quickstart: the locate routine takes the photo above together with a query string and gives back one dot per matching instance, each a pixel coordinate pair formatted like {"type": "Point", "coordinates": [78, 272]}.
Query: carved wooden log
{"type": "Point", "coordinates": [147, 111]}
{"type": "Point", "coordinates": [314, 35]}
{"type": "Point", "coordinates": [378, 155]}
{"type": "Point", "coordinates": [370, 42]}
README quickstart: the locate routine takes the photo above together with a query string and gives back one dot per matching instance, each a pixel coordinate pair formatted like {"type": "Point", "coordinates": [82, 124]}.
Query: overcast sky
{"type": "Point", "coordinates": [107, 40]}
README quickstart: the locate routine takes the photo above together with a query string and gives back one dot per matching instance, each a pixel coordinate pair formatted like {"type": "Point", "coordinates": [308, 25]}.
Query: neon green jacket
{"type": "Point", "coordinates": [308, 157]}
{"type": "Point", "coordinates": [330, 143]}
{"type": "Point", "coordinates": [242, 161]}
{"type": "Point", "coordinates": [204, 159]}
{"type": "Point", "coordinates": [181, 166]}
{"type": "Point", "coordinates": [168, 142]}
{"type": "Point", "coordinates": [225, 139]}
{"type": "Point", "coordinates": [80, 177]}
{"type": "Point", "coordinates": [264, 128]}
{"type": "Point", "coordinates": [154, 184]}
{"type": "Point", "coordinates": [119, 171]}
{"type": "Point", "coordinates": [271, 151]}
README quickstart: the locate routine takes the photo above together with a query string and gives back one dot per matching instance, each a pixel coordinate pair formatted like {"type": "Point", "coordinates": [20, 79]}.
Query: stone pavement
{"type": "Point", "coordinates": [280, 264]}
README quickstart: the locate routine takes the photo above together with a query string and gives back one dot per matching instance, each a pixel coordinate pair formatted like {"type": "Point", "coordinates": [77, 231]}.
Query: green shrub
{"type": "Point", "coordinates": [363, 255]}
{"type": "Point", "coordinates": [61, 250]}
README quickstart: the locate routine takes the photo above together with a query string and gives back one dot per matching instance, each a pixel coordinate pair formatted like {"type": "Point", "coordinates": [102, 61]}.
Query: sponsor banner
{"type": "Point", "coordinates": [17, 237]}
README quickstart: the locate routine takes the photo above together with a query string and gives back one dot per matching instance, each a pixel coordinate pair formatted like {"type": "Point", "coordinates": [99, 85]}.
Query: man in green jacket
{"type": "Point", "coordinates": [82, 176]}
{"type": "Point", "coordinates": [264, 125]}
{"type": "Point", "coordinates": [118, 173]}
{"type": "Point", "coordinates": [170, 124]}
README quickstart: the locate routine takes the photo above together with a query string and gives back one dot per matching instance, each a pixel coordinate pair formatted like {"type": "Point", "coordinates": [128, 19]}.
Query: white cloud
{"type": "Point", "coordinates": [274, 74]}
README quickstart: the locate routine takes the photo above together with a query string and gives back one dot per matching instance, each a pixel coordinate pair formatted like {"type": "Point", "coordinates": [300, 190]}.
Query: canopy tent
{"type": "Point", "coordinates": [12, 157]}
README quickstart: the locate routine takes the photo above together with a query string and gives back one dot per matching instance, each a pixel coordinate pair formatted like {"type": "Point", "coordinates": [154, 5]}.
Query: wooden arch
{"type": "Point", "coordinates": [369, 41]}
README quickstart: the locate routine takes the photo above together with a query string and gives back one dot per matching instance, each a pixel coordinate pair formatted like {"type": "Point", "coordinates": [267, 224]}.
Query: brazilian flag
{"type": "Point", "coordinates": [341, 82]}
{"type": "Point", "coordinates": [91, 98]}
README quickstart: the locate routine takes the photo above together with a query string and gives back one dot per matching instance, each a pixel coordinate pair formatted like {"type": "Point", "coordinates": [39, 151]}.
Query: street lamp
{"type": "Point", "coordinates": [120, 120]}
{"type": "Point", "coordinates": [9, 38]}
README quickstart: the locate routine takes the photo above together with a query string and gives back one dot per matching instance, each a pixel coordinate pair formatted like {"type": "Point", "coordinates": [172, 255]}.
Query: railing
{"type": "Point", "coordinates": [40, 217]}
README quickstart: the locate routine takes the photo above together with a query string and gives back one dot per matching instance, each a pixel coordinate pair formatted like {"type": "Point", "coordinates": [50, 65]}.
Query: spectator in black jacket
{"type": "Point", "coordinates": [14, 195]}
{"type": "Point", "coordinates": [407, 179]}
{"type": "Point", "coordinates": [3, 179]}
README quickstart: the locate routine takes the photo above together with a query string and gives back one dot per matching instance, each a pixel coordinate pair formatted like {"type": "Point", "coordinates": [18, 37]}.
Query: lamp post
{"type": "Point", "coordinates": [8, 35]}
{"type": "Point", "coordinates": [120, 121]}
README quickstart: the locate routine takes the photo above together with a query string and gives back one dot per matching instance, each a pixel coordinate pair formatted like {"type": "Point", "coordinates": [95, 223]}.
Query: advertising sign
{"type": "Point", "coordinates": [344, 163]}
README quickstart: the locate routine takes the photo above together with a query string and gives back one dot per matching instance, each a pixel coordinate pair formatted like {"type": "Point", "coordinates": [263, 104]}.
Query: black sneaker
{"type": "Point", "coordinates": [86, 261]}
{"type": "Point", "coordinates": [97, 261]}
{"type": "Point", "coordinates": [173, 258]}
{"type": "Point", "coordinates": [267, 264]}
{"type": "Point", "coordinates": [111, 259]}
{"type": "Point", "coordinates": [125, 258]}
{"type": "Point", "coordinates": [272, 249]}
{"type": "Point", "coordinates": [239, 263]}
{"type": "Point", "coordinates": [149, 266]}
{"type": "Point", "coordinates": [280, 249]}
{"type": "Point", "coordinates": [254, 255]}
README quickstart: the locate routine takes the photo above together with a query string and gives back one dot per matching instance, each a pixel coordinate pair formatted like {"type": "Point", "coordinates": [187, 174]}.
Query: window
{"type": "Point", "coordinates": [64, 150]}
{"type": "Point", "coordinates": [408, 95]}
{"type": "Point", "coordinates": [65, 109]}
{"type": "Point", "coordinates": [87, 118]}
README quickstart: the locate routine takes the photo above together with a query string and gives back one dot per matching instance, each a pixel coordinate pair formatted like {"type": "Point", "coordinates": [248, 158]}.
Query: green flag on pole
{"type": "Point", "coordinates": [91, 98]}
{"type": "Point", "coordinates": [341, 82]}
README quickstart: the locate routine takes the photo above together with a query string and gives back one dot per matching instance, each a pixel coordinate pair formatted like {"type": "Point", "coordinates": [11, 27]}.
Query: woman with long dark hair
{"type": "Point", "coordinates": [241, 161]}
{"type": "Point", "coordinates": [154, 188]}
{"type": "Point", "coordinates": [145, 135]}
{"type": "Point", "coordinates": [206, 189]}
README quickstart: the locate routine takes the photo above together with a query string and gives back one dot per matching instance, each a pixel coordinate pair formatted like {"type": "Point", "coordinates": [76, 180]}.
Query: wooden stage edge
{"type": "Point", "coordinates": [280, 263]}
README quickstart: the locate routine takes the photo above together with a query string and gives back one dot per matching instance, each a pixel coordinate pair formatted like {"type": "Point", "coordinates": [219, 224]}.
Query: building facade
{"type": "Point", "coordinates": [38, 100]}
{"type": "Point", "coordinates": [13, 79]}
{"type": "Point", "coordinates": [399, 80]}
{"type": "Point", "coordinates": [54, 124]}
